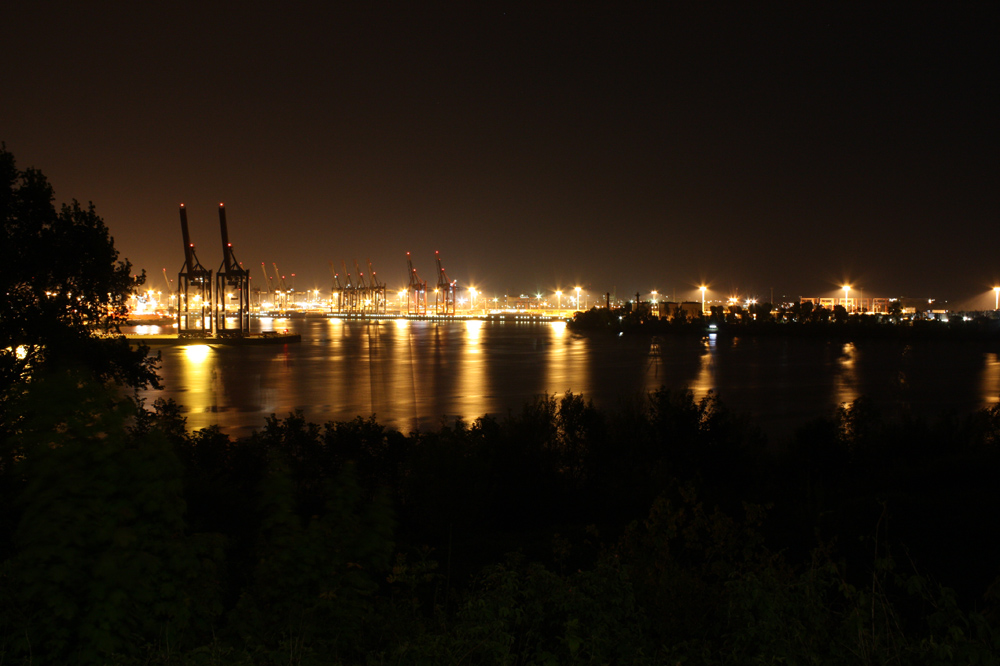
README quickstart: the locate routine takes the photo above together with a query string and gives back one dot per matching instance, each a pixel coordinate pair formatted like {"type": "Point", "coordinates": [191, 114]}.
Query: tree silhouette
{"type": "Point", "coordinates": [64, 288]}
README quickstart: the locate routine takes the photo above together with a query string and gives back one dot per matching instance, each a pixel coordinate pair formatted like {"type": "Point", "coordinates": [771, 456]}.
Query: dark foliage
{"type": "Point", "coordinates": [664, 533]}
{"type": "Point", "coordinates": [63, 290]}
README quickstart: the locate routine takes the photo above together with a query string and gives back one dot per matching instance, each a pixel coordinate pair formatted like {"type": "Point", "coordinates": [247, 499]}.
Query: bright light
{"type": "Point", "coordinates": [996, 290]}
{"type": "Point", "coordinates": [196, 353]}
{"type": "Point", "coordinates": [847, 290]}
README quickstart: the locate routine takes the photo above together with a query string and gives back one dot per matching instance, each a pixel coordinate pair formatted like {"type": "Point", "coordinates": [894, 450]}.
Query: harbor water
{"type": "Point", "coordinates": [418, 374]}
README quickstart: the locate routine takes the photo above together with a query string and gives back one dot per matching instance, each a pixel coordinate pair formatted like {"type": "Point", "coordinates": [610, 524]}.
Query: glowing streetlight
{"type": "Point", "coordinates": [654, 297]}
{"type": "Point", "coordinates": [703, 288]}
{"type": "Point", "coordinates": [996, 290]}
{"type": "Point", "coordinates": [472, 298]}
{"type": "Point", "coordinates": [559, 298]}
{"type": "Point", "coordinates": [847, 290]}
{"type": "Point", "coordinates": [578, 299]}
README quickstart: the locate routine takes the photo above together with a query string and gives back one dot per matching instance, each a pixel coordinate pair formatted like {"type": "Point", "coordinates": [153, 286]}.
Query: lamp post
{"type": "Point", "coordinates": [847, 290]}
{"type": "Point", "coordinates": [703, 288]}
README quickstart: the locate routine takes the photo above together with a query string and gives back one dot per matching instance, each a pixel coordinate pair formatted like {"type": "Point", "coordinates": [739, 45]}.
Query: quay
{"type": "Point", "coordinates": [172, 339]}
{"type": "Point", "coordinates": [488, 316]}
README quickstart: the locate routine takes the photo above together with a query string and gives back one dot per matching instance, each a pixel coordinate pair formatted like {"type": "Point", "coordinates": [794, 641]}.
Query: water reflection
{"type": "Point", "coordinates": [705, 381]}
{"type": "Point", "coordinates": [470, 370]}
{"type": "Point", "coordinates": [411, 374]}
{"type": "Point", "coordinates": [199, 378]}
{"type": "Point", "coordinates": [845, 378]}
{"type": "Point", "coordinates": [566, 358]}
{"type": "Point", "coordinates": [989, 384]}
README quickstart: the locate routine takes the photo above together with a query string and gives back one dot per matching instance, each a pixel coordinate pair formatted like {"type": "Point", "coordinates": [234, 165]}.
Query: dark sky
{"type": "Point", "coordinates": [618, 146]}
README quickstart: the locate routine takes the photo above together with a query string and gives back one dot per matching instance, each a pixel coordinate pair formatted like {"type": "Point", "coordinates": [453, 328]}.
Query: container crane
{"type": "Point", "coordinates": [170, 290]}
{"type": "Point", "coordinates": [192, 308]}
{"type": "Point", "coordinates": [377, 289]}
{"type": "Point", "coordinates": [416, 302]}
{"type": "Point", "coordinates": [282, 300]}
{"type": "Point", "coordinates": [268, 283]}
{"type": "Point", "coordinates": [444, 292]}
{"type": "Point", "coordinates": [232, 275]}
{"type": "Point", "coordinates": [364, 289]}
{"type": "Point", "coordinates": [337, 291]}
{"type": "Point", "coordinates": [350, 289]}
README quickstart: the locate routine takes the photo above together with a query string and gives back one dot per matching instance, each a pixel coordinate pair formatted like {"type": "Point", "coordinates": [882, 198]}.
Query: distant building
{"type": "Point", "coordinates": [521, 302]}
{"type": "Point", "coordinates": [667, 309]}
{"type": "Point", "coordinates": [873, 305]}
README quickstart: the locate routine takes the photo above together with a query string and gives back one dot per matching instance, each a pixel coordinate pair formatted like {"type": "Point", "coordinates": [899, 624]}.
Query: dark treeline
{"type": "Point", "coordinates": [666, 532]}
{"type": "Point", "coordinates": [800, 319]}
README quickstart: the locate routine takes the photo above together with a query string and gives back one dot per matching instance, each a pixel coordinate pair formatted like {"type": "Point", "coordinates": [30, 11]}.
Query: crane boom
{"type": "Point", "coordinates": [267, 278]}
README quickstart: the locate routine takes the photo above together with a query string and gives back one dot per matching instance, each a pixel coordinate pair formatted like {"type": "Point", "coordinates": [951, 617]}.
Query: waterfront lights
{"type": "Point", "coordinates": [996, 290]}
{"type": "Point", "coordinates": [578, 299]}
{"type": "Point", "coordinates": [847, 290]}
{"type": "Point", "coordinates": [703, 288]}
{"type": "Point", "coordinates": [559, 297]}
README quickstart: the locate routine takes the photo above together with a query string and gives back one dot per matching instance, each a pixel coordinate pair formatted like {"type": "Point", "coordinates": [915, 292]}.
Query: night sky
{"type": "Point", "coordinates": [621, 147]}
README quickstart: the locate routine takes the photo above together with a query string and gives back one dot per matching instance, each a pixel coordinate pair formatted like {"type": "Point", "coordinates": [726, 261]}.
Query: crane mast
{"type": "Point", "coordinates": [377, 290]}
{"type": "Point", "coordinates": [282, 292]}
{"type": "Point", "coordinates": [444, 292]}
{"type": "Point", "coordinates": [416, 302]}
{"type": "Point", "coordinates": [231, 275]}
{"type": "Point", "coordinates": [337, 292]}
{"type": "Point", "coordinates": [194, 289]}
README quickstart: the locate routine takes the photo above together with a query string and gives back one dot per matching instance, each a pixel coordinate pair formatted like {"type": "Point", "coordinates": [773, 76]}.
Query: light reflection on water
{"type": "Point", "coordinates": [705, 381]}
{"type": "Point", "coordinates": [418, 374]}
{"type": "Point", "coordinates": [845, 383]}
{"type": "Point", "coordinates": [990, 383]}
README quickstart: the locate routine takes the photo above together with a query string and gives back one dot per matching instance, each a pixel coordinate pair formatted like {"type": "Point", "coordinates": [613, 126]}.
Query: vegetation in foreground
{"type": "Point", "coordinates": [660, 534]}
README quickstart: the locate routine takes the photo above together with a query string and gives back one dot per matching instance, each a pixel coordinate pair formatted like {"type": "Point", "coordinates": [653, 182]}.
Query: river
{"type": "Point", "coordinates": [418, 374]}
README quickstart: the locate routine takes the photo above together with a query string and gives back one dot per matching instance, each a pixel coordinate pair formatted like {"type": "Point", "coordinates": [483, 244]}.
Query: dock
{"type": "Point", "coordinates": [172, 339]}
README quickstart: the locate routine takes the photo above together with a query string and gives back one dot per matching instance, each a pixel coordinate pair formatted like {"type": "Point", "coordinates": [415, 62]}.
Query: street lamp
{"type": "Point", "coordinates": [559, 299]}
{"type": "Point", "coordinates": [847, 290]}
{"type": "Point", "coordinates": [472, 298]}
{"type": "Point", "coordinates": [578, 299]}
{"type": "Point", "coordinates": [703, 288]}
{"type": "Point", "coordinates": [996, 290]}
